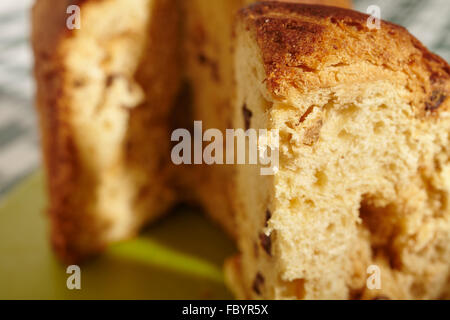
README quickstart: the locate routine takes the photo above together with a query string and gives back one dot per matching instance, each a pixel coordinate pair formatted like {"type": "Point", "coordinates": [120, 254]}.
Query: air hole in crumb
{"type": "Point", "coordinates": [345, 135]}
{"type": "Point", "coordinates": [350, 110]}
{"type": "Point", "coordinates": [300, 288]}
{"type": "Point", "coordinates": [310, 203]}
{"type": "Point", "coordinates": [391, 167]}
{"type": "Point", "coordinates": [296, 288]}
{"type": "Point", "coordinates": [294, 204]}
{"type": "Point", "coordinates": [383, 223]}
{"type": "Point", "coordinates": [378, 127]}
{"type": "Point", "coordinates": [321, 179]}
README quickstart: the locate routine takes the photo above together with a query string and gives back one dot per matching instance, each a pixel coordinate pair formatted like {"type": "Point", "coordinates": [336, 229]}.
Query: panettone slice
{"type": "Point", "coordinates": [359, 206]}
{"type": "Point", "coordinates": [104, 97]}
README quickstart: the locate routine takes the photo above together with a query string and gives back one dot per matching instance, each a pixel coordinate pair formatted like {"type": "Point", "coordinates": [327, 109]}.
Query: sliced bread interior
{"type": "Point", "coordinates": [364, 174]}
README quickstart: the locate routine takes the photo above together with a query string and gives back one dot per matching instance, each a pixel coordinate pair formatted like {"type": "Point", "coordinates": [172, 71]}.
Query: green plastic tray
{"type": "Point", "coordinates": [181, 257]}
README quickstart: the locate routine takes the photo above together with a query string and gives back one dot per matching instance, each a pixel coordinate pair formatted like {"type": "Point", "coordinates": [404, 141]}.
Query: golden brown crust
{"type": "Point", "coordinates": [334, 3]}
{"type": "Point", "coordinates": [60, 151]}
{"type": "Point", "coordinates": [298, 40]}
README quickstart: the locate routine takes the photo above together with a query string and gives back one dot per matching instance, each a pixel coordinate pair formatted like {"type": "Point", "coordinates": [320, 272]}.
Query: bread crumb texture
{"type": "Point", "coordinates": [364, 173]}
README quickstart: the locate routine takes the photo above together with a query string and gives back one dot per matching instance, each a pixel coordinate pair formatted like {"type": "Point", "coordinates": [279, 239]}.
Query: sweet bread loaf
{"type": "Point", "coordinates": [364, 174]}
{"type": "Point", "coordinates": [104, 95]}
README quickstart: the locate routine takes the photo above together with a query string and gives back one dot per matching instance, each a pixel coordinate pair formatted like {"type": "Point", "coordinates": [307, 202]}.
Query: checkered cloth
{"type": "Point", "coordinates": [19, 143]}
{"type": "Point", "coordinates": [429, 20]}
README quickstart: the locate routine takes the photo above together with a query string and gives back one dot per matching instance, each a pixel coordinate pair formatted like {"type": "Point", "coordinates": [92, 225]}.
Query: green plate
{"type": "Point", "coordinates": [181, 257]}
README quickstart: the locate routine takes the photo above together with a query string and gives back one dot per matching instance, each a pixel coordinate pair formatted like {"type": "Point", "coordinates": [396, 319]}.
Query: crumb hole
{"type": "Point", "coordinates": [350, 110]}
{"type": "Point", "coordinates": [294, 203]}
{"type": "Point", "coordinates": [296, 288]}
{"type": "Point", "coordinates": [344, 135]}
{"type": "Point", "coordinates": [310, 203]}
{"type": "Point", "coordinates": [321, 179]}
{"type": "Point", "coordinates": [300, 291]}
{"type": "Point", "coordinates": [383, 223]}
{"type": "Point", "coordinates": [378, 128]}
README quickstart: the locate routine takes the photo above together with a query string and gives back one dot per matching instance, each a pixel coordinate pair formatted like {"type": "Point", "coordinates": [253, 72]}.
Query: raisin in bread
{"type": "Point", "coordinates": [364, 172]}
{"type": "Point", "coordinates": [104, 96]}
